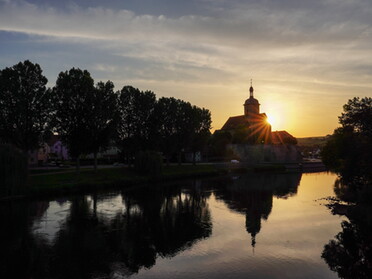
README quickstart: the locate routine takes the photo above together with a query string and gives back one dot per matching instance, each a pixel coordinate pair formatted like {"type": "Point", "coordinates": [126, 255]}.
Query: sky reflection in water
{"type": "Point", "coordinates": [260, 226]}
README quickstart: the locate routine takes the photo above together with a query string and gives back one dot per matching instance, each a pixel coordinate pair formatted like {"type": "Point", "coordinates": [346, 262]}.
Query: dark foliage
{"type": "Point", "coordinates": [358, 114]}
{"type": "Point", "coordinates": [136, 110]}
{"type": "Point", "coordinates": [13, 171]}
{"type": "Point", "coordinates": [103, 119]}
{"type": "Point", "coordinates": [149, 163]}
{"type": "Point", "coordinates": [349, 149]}
{"type": "Point", "coordinates": [73, 94]}
{"type": "Point", "coordinates": [25, 105]}
{"type": "Point", "coordinates": [181, 127]}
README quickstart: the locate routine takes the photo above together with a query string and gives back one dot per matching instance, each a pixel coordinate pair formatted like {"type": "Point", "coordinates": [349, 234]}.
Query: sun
{"type": "Point", "coordinates": [271, 120]}
{"type": "Point", "coordinates": [276, 121]}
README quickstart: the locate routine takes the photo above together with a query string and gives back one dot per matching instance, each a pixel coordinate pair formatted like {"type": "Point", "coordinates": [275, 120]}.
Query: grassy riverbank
{"type": "Point", "coordinates": [108, 178]}
{"type": "Point", "coordinates": [45, 182]}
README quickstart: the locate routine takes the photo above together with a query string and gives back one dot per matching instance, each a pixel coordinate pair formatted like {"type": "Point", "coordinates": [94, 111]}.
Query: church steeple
{"type": "Point", "coordinates": [251, 90]}
{"type": "Point", "coordinates": [251, 105]}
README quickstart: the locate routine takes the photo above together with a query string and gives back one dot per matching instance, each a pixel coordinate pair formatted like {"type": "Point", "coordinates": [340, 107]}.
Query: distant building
{"type": "Point", "coordinates": [57, 149]}
{"type": "Point", "coordinates": [252, 139]}
{"type": "Point", "coordinates": [253, 123]}
{"type": "Point", "coordinates": [40, 156]}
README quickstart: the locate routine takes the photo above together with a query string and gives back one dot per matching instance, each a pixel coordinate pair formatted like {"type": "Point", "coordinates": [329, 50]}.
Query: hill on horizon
{"type": "Point", "coordinates": [312, 141]}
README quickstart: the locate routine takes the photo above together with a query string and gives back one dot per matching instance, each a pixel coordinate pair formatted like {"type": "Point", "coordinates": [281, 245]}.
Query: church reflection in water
{"type": "Point", "coordinates": [253, 196]}
{"type": "Point", "coordinates": [151, 222]}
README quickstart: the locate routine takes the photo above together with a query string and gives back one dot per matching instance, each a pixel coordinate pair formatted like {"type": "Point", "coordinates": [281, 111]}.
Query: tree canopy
{"type": "Point", "coordinates": [349, 149]}
{"type": "Point", "coordinates": [25, 105]}
{"type": "Point", "coordinates": [103, 117]}
{"type": "Point", "coordinates": [73, 91]}
{"type": "Point", "coordinates": [358, 114]}
{"type": "Point", "coordinates": [88, 118]}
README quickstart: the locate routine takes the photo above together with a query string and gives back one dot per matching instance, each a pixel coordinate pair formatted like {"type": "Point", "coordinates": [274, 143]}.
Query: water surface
{"type": "Point", "coordinates": [254, 226]}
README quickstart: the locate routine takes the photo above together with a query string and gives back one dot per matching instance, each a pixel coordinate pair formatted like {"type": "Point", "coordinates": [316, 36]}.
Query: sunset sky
{"type": "Point", "coordinates": [306, 58]}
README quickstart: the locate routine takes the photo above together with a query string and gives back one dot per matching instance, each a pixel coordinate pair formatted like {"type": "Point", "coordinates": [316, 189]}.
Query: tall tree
{"type": "Point", "coordinates": [358, 114]}
{"type": "Point", "coordinates": [349, 149]}
{"type": "Point", "coordinates": [103, 118]}
{"type": "Point", "coordinates": [136, 110]}
{"type": "Point", "coordinates": [200, 132]}
{"type": "Point", "coordinates": [166, 125]}
{"type": "Point", "coordinates": [73, 96]}
{"type": "Point", "coordinates": [25, 105]}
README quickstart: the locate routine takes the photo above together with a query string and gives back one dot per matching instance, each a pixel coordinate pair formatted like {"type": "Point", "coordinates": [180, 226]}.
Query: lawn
{"type": "Point", "coordinates": [120, 177]}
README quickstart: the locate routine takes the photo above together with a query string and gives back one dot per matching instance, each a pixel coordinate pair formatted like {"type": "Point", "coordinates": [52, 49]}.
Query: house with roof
{"type": "Point", "coordinates": [57, 149]}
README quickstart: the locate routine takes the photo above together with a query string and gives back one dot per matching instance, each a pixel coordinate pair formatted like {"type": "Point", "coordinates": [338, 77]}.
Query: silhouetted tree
{"type": "Point", "coordinates": [185, 124]}
{"type": "Point", "coordinates": [165, 111]}
{"type": "Point", "coordinates": [348, 149]}
{"type": "Point", "coordinates": [176, 124]}
{"type": "Point", "coordinates": [103, 119]}
{"type": "Point", "coordinates": [358, 114]}
{"type": "Point", "coordinates": [25, 105]}
{"type": "Point", "coordinates": [74, 94]}
{"type": "Point", "coordinates": [200, 132]}
{"type": "Point", "coordinates": [136, 112]}
{"type": "Point", "coordinates": [218, 143]}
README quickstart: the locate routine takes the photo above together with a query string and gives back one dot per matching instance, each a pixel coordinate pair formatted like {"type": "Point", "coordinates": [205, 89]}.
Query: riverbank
{"type": "Point", "coordinates": [119, 177]}
{"type": "Point", "coordinates": [67, 181]}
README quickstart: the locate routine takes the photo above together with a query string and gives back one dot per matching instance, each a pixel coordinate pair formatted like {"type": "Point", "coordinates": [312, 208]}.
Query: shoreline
{"type": "Point", "coordinates": [69, 182]}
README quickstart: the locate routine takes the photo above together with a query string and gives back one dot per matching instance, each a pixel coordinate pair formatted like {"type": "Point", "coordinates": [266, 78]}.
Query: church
{"type": "Point", "coordinates": [252, 139]}
{"type": "Point", "coordinates": [253, 127]}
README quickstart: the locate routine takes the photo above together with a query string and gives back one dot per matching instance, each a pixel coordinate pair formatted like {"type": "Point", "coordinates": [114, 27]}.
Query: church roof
{"type": "Point", "coordinates": [282, 137]}
{"type": "Point", "coordinates": [236, 122]}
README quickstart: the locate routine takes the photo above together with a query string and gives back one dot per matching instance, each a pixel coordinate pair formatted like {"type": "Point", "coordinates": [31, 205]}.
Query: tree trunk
{"type": "Point", "coordinates": [95, 161]}
{"type": "Point", "coordinates": [94, 196]}
{"type": "Point", "coordinates": [179, 157]}
{"type": "Point", "coordinates": [193, 158]}
{"type": "Point", "coordinates": [167, 160]}
{"type": "Point", "coordinates": [129, 159]}
{"type": "Point", "coordinates": [78, 164]}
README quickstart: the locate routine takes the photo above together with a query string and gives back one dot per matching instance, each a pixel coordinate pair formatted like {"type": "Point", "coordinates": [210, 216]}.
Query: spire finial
{"type": "Point", "coordinates": [251, 90]}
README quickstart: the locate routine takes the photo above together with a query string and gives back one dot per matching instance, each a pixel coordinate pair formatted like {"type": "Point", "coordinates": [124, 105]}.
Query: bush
{"type": "Point", "coordinates": [13, 171]}
{"type": "Point", "coordinates": [149, 163]}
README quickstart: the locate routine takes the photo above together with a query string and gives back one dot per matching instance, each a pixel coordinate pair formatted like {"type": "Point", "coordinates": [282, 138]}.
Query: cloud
{"type": "Point", "coordinates": [249, 25]}
{"type": "Point", "coordinates": [292, 48]}
{"type": "Point", "coordinates": [265, 37]}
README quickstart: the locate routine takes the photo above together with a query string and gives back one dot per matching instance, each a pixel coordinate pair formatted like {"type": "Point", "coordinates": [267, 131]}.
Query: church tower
{"type": "Point", "coordinates": [251, 105]}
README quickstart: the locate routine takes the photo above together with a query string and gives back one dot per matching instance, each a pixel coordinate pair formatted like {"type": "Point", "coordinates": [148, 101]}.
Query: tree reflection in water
{"type": "Point", "coordinates": [22, 253]}
{"type": "Point", "coordinates": [253, 196]}
{"type": "Point", "coordinates": [350, 254]}
{"type": "Point", "coordinates": [157, 221]}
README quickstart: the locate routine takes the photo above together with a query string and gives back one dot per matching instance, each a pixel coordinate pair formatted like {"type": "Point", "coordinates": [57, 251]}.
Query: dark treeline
{"type": "Point", "coordinates": [349, 152]}
{"type": "Point", "coordinates": [88, 116]}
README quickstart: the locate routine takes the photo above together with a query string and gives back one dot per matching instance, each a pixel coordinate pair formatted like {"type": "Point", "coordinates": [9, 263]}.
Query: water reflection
{"type": "Point", "coordinates": [350, 253]}
{"type": "Point", "coordinates": [195, 229]}
{"type": "Point", "coordinates": [153, 222]}
{"type": "Point", "coordinates": [22, 252]}
{"type": "Point", "coordinates": [253, 196]}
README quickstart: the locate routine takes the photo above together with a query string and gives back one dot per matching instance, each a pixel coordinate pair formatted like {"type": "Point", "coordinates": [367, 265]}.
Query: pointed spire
{"type": "Point", "coordinates": [251, 90]}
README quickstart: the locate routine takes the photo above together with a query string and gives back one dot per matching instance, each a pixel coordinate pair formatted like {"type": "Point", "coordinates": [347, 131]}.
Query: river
{"type": "Point", "coordinates": [248, 226]}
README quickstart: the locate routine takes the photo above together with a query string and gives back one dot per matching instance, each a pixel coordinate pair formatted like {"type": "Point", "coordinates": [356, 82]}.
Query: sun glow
{"type": "Point", "coordinates": [275, 121]}
{"type": "Point", "coordinates": [271, 120]}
